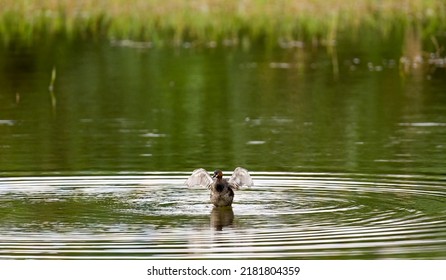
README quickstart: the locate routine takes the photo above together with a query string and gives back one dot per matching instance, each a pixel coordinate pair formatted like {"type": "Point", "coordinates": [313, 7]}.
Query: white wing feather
{"type": "Point", "coordinates": [199, 177]}
{"type": "Point", "coordinates": [241, 177]}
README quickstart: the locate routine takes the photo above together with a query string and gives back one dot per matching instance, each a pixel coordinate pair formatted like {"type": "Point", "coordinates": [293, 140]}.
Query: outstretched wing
{"type": "Point", "coordinates": [240, 178]}
{"type": "Point", "coordinates": [199, 177]}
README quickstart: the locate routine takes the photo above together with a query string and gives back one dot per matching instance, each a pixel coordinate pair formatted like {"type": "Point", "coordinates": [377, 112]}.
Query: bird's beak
{"type": "Point", "coordinates": [215, 175]}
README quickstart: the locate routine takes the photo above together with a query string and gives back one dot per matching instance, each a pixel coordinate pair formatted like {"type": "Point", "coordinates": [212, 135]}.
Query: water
{"type": "Point", "coordinates": [345, 165]}
{"type": "Point", "coordinates": [285, 215]}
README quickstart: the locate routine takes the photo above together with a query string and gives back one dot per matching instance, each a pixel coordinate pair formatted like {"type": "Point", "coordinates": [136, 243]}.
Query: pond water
{"type": "Point", "coordinates": [286, 215]}
{"type": "Point", "coordinates": [347, 152]}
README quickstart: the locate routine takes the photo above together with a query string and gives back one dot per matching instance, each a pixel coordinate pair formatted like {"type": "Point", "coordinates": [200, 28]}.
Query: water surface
{"type": "Point", "coordinates": [285, 215]}
{"type": "Point", "coordinates": [347, 162]}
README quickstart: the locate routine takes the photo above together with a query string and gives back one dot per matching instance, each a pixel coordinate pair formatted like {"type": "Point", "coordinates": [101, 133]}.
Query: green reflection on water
{"type": "Point", "coordinates": [124, 109]}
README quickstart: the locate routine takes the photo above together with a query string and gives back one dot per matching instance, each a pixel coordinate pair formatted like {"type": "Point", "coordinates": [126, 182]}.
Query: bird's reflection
{"type": "Point", "coordinates": [221, 217]}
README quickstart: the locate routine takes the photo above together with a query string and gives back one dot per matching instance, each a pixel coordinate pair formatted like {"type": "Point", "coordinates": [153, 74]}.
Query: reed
{"type": "Point", "coordinates": [230, 21]}
{"type": "Point", "coordinates": [51, 88]}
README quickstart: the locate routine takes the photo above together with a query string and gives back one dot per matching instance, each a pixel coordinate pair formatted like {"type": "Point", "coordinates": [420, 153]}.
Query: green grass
{"type": "Point", "coordinates": [204, 21]}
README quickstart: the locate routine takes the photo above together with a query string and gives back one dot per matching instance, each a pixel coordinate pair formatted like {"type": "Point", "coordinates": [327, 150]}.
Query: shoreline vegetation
{"type": "Point", "coordinates": [218, 22]}
{"type": "Point", "coordinates": [416, 28]}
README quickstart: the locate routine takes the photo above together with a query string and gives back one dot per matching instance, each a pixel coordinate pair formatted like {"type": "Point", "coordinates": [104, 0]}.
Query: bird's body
{"type": "Point", "coordinates": [222, 190]}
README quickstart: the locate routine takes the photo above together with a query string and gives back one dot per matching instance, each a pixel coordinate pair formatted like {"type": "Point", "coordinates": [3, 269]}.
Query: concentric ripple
{"type": "Point", "coordinates": [285, 215]}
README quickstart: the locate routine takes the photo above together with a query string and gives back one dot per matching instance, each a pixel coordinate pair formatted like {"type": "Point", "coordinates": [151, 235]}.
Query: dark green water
{"type": "Point", "coordinates": [123, 109]}
{"type": "Point", "coordinates": [348, 162]}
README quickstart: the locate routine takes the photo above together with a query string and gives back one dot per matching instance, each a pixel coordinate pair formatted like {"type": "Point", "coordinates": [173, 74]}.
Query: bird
{"type": "Point", "coordinates": [222, 190]}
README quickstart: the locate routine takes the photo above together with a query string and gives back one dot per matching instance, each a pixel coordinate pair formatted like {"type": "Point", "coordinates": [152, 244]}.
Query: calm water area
{"type": "Point", "coordinates": [347, 150]}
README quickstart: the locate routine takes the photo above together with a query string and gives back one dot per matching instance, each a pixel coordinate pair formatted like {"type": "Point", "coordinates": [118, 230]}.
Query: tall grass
{"type": "Point", "coordinates": [165, 21]}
